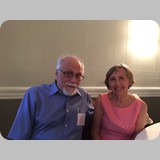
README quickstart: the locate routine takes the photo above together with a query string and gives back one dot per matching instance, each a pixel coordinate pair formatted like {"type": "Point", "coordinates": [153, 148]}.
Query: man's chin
{"type": "Point", "coordinates": [69, 93]}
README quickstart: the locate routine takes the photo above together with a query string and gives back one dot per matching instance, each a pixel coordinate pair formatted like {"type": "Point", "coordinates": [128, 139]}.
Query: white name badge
{"type": "Point", "coordinates": [81, 119]}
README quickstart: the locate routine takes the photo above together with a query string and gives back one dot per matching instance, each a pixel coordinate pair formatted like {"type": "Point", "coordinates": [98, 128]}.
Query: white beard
{"type": "Point", "coordinates": [68, 93]}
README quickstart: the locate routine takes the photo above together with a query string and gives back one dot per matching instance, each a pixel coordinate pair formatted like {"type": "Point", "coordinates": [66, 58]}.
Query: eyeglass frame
{"type": "Point", "coordinates": [77, 76]}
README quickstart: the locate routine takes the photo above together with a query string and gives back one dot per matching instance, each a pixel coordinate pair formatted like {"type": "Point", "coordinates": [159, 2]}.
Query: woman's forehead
{"type": "Point", "coordinates": [119, 71]}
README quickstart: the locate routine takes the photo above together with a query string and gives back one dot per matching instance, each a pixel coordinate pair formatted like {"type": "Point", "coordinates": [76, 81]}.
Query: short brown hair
{"type": "Point", "coordinates": [114, 68]}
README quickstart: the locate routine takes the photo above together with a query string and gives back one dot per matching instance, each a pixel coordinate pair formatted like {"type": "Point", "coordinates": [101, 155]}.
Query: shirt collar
{"type": "Point", "coordinates": [54, 89]}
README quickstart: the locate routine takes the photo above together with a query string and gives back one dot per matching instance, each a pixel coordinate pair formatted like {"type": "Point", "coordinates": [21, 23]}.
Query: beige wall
{"type": "Point", "coordinates": [29, 50]}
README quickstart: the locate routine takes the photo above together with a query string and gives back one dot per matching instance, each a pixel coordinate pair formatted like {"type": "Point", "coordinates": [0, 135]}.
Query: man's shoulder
{"type": "Point", "coordinates": [41, 87]}
{"type": "Point", "coordinates": [82, 90]}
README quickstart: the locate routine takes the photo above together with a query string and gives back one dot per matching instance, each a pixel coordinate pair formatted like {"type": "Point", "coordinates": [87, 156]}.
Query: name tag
{"type": "Point", "coordinates": [81, 119]}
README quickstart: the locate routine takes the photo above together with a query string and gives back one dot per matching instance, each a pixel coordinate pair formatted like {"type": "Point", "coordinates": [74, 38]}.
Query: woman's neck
{"type": "Point", "coordinates": [119, 98]}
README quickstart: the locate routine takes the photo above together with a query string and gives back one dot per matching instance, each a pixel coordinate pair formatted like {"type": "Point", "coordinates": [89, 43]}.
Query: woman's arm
{"type": "Point", "coordinates": [141, 120]}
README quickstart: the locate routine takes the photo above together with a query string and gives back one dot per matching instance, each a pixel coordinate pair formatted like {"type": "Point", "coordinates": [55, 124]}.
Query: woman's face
{"type": "Point", "coordinates": [119, 82]}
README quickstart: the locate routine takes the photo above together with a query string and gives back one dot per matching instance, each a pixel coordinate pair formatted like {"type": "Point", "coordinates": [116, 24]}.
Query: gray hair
{"type": "Point", "coordinates": [61, 58]}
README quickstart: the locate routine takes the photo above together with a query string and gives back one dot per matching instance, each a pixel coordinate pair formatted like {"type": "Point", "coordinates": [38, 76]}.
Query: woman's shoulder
{"type": "Point", "coordinates": [137, 97]}
{"type": "Point", "coordinates": [144, 104]}
{"type": "Point", "coordinates": [103, 97]}
{"type": "Point", "coordinates": [104, 94]}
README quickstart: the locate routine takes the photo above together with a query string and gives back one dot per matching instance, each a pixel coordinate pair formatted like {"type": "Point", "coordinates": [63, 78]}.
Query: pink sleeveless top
{"type": "Point", "coordinates": [118, 123]}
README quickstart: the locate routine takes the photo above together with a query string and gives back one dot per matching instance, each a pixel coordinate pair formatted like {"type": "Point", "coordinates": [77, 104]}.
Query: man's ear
{"type": "Point", "coordinates": [56, 73]}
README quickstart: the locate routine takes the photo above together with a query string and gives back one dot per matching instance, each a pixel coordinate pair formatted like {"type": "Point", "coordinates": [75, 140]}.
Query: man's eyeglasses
{"type": "Point", "coordinates": [69, 75]}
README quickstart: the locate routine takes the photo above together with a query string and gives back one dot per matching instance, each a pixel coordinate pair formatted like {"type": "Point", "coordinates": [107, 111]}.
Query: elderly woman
{"type": "Point", "coordinates": [118, 115]}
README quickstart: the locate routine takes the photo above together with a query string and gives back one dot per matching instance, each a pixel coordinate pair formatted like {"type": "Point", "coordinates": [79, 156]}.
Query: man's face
{"type": "Point", "coordinates": [68, 77]}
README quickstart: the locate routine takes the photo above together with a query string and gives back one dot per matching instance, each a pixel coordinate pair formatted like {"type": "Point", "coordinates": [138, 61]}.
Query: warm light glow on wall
{"type": "Point", "coordinates": [143, 37]}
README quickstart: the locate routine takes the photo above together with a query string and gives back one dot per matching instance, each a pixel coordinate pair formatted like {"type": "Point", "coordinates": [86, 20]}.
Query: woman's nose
{"type": "Point", "coordinates": [117, 82]}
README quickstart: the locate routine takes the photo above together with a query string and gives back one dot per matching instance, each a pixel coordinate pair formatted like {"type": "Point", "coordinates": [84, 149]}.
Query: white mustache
{"type": "Point", "coordinates": [71, 84]}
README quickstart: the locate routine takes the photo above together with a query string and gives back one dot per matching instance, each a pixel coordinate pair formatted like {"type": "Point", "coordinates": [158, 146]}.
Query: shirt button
{"type": "Point", "coordinates": [66, 125]}
{"type": "Point", "coordinates": [67, 110]}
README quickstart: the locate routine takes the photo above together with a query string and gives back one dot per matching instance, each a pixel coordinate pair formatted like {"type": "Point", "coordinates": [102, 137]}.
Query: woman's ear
{"type": "Point", "coordinates": [130, 85]}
